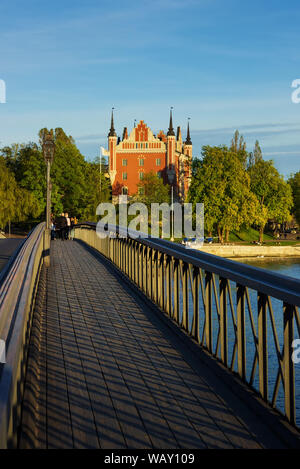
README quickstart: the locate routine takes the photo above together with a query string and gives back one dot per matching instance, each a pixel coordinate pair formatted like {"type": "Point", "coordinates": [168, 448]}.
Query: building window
{"type": "Point", "coordinates": [158, 161]}
{"type": "Point", "coordinates": [141, 161]}
{"type": "Point", "coordinates": [124, 190]}
{"type": "Point", "coordinates": [141, 176]}
{"type": "Point", "coordinates": [124, 162]}
{"type": "Point", "coordinates": [124, 176]}
{"type": "Point", "coordinates": [159, 174]}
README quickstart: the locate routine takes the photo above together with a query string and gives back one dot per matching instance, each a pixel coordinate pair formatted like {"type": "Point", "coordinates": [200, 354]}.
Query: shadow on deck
{"type": "Point", "coordinates": [108, 370]}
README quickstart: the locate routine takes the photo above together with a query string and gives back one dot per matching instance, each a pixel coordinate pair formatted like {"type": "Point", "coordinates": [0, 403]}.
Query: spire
{"type": "Point", "coordinates": [178, 137]}
{"type": "Point", "coordinates": [188, 137]}
{"type": "Point", "coordinates": [171, 132]}
{"type": "Point", "coordinates": [112, 132]}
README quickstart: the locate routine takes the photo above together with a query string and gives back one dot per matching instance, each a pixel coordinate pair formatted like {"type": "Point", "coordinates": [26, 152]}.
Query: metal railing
{"type": "Point", "coordinates": [217, 302]}
{"type": "Point", "coordinates": [17, 296]}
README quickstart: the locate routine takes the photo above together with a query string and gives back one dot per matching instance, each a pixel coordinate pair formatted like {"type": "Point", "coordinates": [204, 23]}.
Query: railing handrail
{"type": "Point", "coordinates": [17, 295]}
{"type": "Point", "coordinates": [281, 287]}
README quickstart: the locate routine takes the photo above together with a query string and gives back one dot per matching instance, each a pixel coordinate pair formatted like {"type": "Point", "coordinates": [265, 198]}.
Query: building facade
{"type": "Point", "coordinates": [141, 152]}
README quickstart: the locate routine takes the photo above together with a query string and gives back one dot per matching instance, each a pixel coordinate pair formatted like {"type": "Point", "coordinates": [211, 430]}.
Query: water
{"type": "Point", "coordinates": [289, 267]}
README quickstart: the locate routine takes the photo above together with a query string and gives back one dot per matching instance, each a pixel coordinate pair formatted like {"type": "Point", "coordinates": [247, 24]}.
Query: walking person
{"type": "Point", "coordinates": [68, 226]}
{"type": "Point", "coordinates": [52, 226]}
{"type": "Point", "coordinates": [72, 231]}
{"type": "Point", "coordinates": [61, 224]}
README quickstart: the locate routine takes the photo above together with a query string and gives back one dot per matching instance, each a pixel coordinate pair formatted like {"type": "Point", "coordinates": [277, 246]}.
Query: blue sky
{"type": "Point", "coordinates": [226, 65]}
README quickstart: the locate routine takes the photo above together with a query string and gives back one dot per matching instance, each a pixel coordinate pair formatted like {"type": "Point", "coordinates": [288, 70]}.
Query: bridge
{"type": "Point", "coordinates": [128, 343]}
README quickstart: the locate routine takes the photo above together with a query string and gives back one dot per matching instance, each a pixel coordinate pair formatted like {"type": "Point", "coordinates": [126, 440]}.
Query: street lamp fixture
{"type": "Point", "coordinates": [48, 148]}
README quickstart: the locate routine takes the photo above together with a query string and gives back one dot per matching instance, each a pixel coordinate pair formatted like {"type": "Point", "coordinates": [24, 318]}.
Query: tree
{"type": "Point", "coordinates": [98, 189]}
{"type": "Point", "coordinates": [273, 193]}
{"type": "Point", "coordinates": [238, 146]}
{"type": "Point", "coordinates": [256, 155]}
{"type": "Point", "coordinates": [68, 173]}
{"type": "Point", "coordinates": [153, 190]}
{"type": "Point", "coordinates": [223, 185]}
{"type": "Point", "coordinates": [16, 203]}
{"type": "Point", "coordinates": [294, 182]}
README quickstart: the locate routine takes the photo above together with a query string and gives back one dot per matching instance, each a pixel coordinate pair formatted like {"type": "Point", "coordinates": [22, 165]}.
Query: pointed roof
{"type": "Point", "coordinates": [188, 137]}
{"type": "Point", "coordinates": [112, 132]}
{"type": "Point", "coordinates": [171, 132]}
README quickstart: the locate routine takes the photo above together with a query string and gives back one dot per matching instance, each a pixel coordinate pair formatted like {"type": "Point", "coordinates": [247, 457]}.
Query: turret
{"type": "Point", "coordinates": [188, 151]}
{"type": "Point", "coordinates": [188, 146]}
{"type": "Point", "coordinates": [171, 141]}
{"type": "Point", "coordinates": [179, 140]}
{"type": "Point", "coordinates": [112, 143]}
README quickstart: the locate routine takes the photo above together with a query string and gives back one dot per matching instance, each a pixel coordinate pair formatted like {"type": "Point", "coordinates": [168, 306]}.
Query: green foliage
{"type": "Point", "coordinates": [273, 193]}
{"type": "Point", "coordinates": [16, 203]}
{"type": "Point", "coordinates": [238, 146]}
{"type": "Point", "coordinates": [75, 182]}
{"type": "Point", "coordinates": [222, 184]}
{"type": "Point", "coordinates": [294, 182]}
{"type": "Point", "coordinates": [98, 189]}
{"type": "Point", "coordinates": [153, 190]}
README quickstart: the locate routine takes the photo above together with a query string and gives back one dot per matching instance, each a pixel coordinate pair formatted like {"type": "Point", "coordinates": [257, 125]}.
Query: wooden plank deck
{"type": "Point", "coordinates": [105, 371]}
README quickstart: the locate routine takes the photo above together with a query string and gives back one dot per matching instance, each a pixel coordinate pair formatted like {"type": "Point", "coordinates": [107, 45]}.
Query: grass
{"type": "Point", "coordinates": [247, 236]}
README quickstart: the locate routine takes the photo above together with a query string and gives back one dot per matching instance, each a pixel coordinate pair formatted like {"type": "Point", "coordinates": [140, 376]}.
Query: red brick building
{"type": "Point", "coordinates": [141, 152]}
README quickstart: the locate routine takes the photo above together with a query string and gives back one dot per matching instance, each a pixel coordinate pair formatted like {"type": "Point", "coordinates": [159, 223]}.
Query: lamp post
{"type": "Point", "coordinates": [48, 153]}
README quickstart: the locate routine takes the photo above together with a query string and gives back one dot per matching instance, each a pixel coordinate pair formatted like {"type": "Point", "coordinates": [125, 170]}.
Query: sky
{"type": "Point", "coordinates": [225, 65]}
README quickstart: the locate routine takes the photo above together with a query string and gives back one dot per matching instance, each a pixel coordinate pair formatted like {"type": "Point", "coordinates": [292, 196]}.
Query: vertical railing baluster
{"type": "Point", "coordinates": [241, 331]}
{"type": "Point", "coordinates": [185, 297]}
{"type": "Point", "coordinates": [289, 369]}
{"type": "Point", "coordinates": [168, 285]}
{"type": "Point", "coordinates": [223, 321]}
{"type": "Point", "coordinates": [195, 286]}
{"type": "Point", "coordinates": [208, 311]}
{"type": "Point", "coordinates": [155, 286]}
{"type": "Point", "coordinates": [162, 281]}
{"type": "Point", "coordinates": [262, 345]}
{"type": "Point", "coordinates": [176, 290]}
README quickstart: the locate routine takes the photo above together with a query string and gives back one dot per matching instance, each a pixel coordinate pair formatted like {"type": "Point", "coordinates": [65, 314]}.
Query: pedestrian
{"type": "Point", "coordinates": [68, 226]}
{"type": "Point", "coordinates": [52, 226]}
{"type": "Point", "coordinates": [72, 231]}
{"type": "Point", "coordinates": [61, 224]}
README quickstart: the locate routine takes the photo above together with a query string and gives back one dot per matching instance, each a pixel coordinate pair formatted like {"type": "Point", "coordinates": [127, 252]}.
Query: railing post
{"type": "Point", "coordinates": [241, 331]}
{"type": "Point", "coordinates": [262, 345]}
{"type": "Point", "coordinates": [223, 321]}
{"type": "Point", "coordinates": [185, 297]}
{"type": "Point", "coordinates": [168, 285]}
{"type": "Point", "coordinates": [176, 290]}
{"type": "Point", "coordinates": [161, 290]}
{"type": "Point", "coordinates": [208, 311]}
{"type": "Point", "coordinates": [148, 277]}
{"type": "Point", "coordinates": [144, 269]}
{"type": "Point", "coordinates": [195, 285]}
{"type": "Point", "coordinates": [289, 370]}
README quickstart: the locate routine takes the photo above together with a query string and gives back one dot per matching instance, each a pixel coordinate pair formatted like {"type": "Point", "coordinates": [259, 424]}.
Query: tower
{"type": "Point", "coordinates": [112, 143]}
{"type": "Point", "coordinates": [188, 151]}
{"type": "Point", "coordinates": [179, 140]}
{"type": "Point", "coordinates": [171, 151]}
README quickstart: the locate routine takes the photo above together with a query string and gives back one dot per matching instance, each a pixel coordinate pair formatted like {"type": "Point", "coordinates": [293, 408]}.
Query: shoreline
{"type": "Point", "coordinates": [253, 252]}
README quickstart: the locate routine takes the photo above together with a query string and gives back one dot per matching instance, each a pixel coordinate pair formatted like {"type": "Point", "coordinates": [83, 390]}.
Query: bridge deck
{"type": "Point", "coordinates": [104, 371]}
